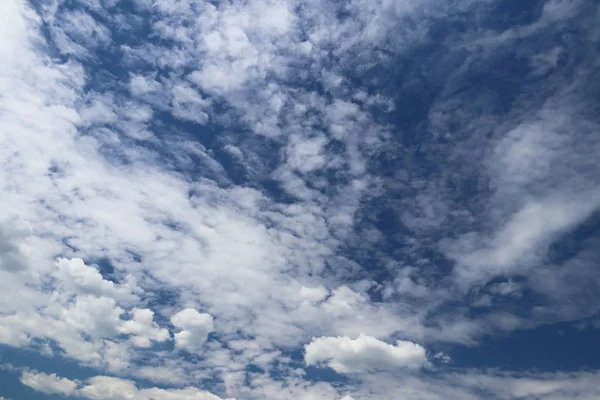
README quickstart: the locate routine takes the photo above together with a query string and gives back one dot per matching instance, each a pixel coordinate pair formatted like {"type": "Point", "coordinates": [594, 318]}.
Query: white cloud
{"type": "Point", "coordinates": [108, 388]}
{"type": "Point", "coordinates": [442, 357]}
{"type": "Point", "coordinates": [91, 170]}
{"type": "Point", "coordinates": [143, 329]}
{"type": "Point", "coordinates": [49, 384]}
{"type": "Point", "coordinates": [195, 328]}
{"type": "Point", "coordinates": [74, 275]}
{"type": "Point", "coordinates": [363, 354]}
{"type": "Point", "coordinates": [313, 294]}
{"type": "Point", "coordinates": [306, 154]}
{"type": "Point", "coordinates": [78, 33]}
{"type": "Point", "coordinates": [529, 227]}
{"type": "Point", "coordinates": [451, 386]}
{"type": "Point", "coordinates": [164, 374]}
{"type": "Point", "coordinates": [189, 105]}
{"type": "Point", "coordinates": [140, 85]}
{"type": "Point", "coordinates": [96, 316]}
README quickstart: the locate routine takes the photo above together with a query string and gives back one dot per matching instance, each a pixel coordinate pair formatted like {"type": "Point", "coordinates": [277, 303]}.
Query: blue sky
{"type": "Point", "coordinates": [337, 200]}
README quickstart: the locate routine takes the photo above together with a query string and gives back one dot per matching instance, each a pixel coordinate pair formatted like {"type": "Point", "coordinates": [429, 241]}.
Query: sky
{"type": "Point", "coordinates": [282, 199]}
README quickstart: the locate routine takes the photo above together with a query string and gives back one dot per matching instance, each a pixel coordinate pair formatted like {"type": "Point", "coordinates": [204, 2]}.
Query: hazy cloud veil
{"type": "Point", "coordinates": [280, 199]}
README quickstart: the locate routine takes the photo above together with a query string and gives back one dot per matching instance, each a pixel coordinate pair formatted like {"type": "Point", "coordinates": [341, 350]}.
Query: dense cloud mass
{"type": "Point", "coordinates": [299, 200]}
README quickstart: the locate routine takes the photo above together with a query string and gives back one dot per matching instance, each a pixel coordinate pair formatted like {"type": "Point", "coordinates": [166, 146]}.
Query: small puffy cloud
{"type": "Point", "coordinates": [140, 85]}
{"type": "Point", "coordinates": [363, 354]}
{"type": "Point", "coordinates": [195, 327]}
{"type": "Point", "coordinates": [442, 357]}
{"type": "Point", "coordinates": [143, 329]}
{"type": "Point", "coordinates": [74, 275]}
{"type": "Point", "coordinates": [48, 384]}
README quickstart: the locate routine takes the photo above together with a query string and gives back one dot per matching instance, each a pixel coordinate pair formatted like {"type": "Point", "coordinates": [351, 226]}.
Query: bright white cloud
{"type": "Point", "coordinates": [49, 384]}
{"type": "Point", "coordinates": [74, 275]}
{"type": "Point", "coordinates": [365, 353]}
{"type": "Point", "coordinates": [194, 329]}
{"type": "Point", "coordinates": [96, 316]}
{"type": "Point", "coordinates": [143, 329]}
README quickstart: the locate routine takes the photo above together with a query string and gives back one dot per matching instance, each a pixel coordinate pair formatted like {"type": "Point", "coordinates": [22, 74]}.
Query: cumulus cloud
{"type": "Point", "coordinates": [143, 329]}
{"type": "Point", "coordinates": [49, 384]}
{"type": "Point", "coordinates": [365, 353]}
{"type": "Point", "coordinates": [74, 275]}
{"type": "Point", "coordinates": [96, 316]}
{"type": "Point", "coordinates": [194, 329]}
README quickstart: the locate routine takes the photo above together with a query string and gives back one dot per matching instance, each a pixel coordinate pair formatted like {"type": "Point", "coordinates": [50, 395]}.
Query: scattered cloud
{"type": "Point", "coordinates": [193, 191]}
{"type": "Point", "coordinates": [195, 328]}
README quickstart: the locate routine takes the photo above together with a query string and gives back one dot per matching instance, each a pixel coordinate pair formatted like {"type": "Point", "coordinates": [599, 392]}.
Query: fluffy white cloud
{"type": "Point", "coordinates": [96, 316]}
{"type": "Point", "coordinates": [49, 384]}
{"type": "Point", "coordinates": [363, 354]}
{"type": "Point", "coordinates": [143, 328]}
{"type": "Point", "coordinates": [195, 328]}
{"type": "Point", "coordinates": [74, 275]}
{"type": "Point", "coordinates": [82, 318]}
